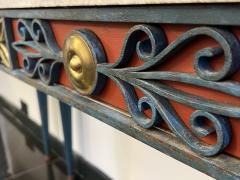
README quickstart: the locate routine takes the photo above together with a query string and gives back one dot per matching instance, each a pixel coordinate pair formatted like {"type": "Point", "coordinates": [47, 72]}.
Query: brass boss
{"type": "Point", "coordinates": [80, 60]}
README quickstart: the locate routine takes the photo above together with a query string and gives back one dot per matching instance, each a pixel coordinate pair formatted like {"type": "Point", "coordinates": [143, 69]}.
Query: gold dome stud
{"type": "Point", "coordinates": [75, 67]}
{"type": "Point", "coordinates": [76, 64]}
{"type": "Point", "coordinates": [82, 51]}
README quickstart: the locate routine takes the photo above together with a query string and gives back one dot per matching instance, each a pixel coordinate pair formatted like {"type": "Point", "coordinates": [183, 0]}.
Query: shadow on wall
{"type": "Point", "coordinates": [24, 146]}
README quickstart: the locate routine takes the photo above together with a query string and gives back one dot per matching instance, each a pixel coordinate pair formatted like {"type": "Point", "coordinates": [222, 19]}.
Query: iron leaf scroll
{"type": "Point", "coordinates": [44, 61]}
{"type": "Point", "coordinates": [154, 51]}
{"type": "Point", "coordinates": [42, 58]}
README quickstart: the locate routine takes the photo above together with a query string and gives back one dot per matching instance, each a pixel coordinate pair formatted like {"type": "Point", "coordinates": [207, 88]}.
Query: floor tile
{"type": "Point", "coordinates": [17, 152]}
{"type": "Point", "coordinates": [51, 171]}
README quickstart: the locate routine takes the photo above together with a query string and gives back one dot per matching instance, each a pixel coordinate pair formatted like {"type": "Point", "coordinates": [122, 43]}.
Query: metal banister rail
{"type": "Point", "coordinates": [76, 67]}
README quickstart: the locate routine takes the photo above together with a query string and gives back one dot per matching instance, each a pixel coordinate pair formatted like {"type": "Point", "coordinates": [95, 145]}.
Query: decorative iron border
{"type": "Point", "coordinates": [210, 14]}
{"type": "Point", "coordinates": [221, 166]}
{"type": "Point", "coordinates": [153, 52]}
{"type": "Point", "coordinates": [42, 56]}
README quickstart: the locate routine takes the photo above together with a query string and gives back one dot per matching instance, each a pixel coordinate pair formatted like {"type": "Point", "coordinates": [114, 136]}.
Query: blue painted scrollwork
{"type": "Point", "coordinates": [154, 51]}
{"type": "Point", "coordinates": [42, 58]}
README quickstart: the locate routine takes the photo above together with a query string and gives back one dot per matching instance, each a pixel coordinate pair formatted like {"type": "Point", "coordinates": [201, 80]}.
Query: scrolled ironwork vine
{"type": "Point", "coordinates": [154, 51]}
{"type": "Point", "coordinates": [42, 58]}
{"type": "Point", "coordinates": [46, 60]}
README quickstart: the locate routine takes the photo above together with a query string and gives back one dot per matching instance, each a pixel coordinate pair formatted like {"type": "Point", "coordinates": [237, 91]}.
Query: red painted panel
{"type": "Point", "coordinates": [112, 36]}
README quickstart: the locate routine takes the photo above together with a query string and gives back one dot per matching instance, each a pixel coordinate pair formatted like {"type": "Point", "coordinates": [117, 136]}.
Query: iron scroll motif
{"type": "Point", "coordinates": [42, 58]}
{"type": "Point", "coordinates": [154, 50]}
{"type": "Point", "coordinates": [87, 70]}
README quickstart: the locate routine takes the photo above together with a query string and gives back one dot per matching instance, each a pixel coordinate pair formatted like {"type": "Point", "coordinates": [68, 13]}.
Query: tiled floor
{"type": "Point", "coordinates": [21, 159]}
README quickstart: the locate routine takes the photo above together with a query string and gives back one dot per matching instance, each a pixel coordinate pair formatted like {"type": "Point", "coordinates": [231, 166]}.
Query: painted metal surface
{"type": "Point", "coordinates": [82, 52]}
{"type": "Point", "coordinates": [42, 56]}
{"type": "Point", "coordinates": [46, 62]}
{"type": "Point", "coordinates": [211, 14]}
{"type": "Point", "coordinates": [65, 111]}
{"type": "Point", "coordinates": [221, 166]}
{"type": "Point", "coordinates": [154, 51]}
{"type": "Point", "coordinates": [43, 107]}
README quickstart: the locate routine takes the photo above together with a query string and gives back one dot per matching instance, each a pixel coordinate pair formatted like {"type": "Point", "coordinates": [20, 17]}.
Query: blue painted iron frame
{"type": "Point", "coordinates": [112, 73]}
{"type": "Point", "coordinates": [47, 61]}
{"type": "Point", "coordinates": [65, 111]}
{"type": "Point", "coordinates": [222, 166]}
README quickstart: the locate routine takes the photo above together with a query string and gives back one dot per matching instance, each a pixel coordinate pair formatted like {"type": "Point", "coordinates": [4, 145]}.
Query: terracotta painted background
{"type": "Point", "coordinates": [112, 36]}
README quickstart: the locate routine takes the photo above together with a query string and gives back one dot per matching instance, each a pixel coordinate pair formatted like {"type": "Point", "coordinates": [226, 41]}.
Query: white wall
{"type": "Point", "coordinates": [118, 155]}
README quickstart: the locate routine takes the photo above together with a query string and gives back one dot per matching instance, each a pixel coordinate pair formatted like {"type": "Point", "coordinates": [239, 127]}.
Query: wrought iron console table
{"type": "Point", "coordinates": [166, 75]}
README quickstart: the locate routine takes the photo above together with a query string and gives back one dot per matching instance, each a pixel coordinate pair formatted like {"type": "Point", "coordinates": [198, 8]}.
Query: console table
{"type": "Point", "coordinates": [167, 75]}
